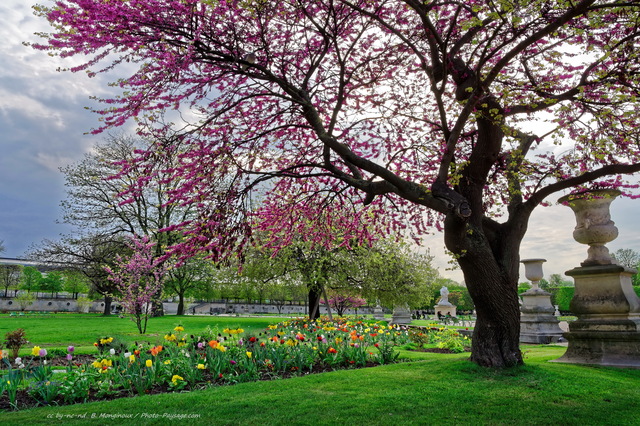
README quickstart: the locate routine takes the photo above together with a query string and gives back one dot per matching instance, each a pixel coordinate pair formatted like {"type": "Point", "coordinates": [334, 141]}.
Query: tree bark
{"type": "Point", "coordinates": [180, 304]}
{"type": "Point", "coordinates": [157, 308]}
{"type": "Point", "coordinates": [314, 302]}
{"type": "Point", "coordinates": [496, 336]}
{"type": "Point", "coordinates": [490, 268]}
{"type": "Point", "coordinates": [107, 305]}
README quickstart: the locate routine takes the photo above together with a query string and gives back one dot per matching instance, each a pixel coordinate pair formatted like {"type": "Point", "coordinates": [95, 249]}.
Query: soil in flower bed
{"type": "Point", "coordinates": [62, 361]}
{"type": "Point", "coordinates": [24, 400]}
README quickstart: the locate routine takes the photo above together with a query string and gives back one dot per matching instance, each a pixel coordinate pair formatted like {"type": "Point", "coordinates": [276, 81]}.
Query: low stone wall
{"type": "Point", "coordinates": [170, 308]}
{"type": "Point", "coordinates": [48, 305]}
{"type": "Point", "coordinates": [249, 308]}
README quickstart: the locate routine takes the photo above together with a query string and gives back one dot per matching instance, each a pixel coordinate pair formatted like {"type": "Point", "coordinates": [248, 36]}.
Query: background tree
{"type": "Point", "coordinates": [181, 281]}
{"type": "Point", "coordinates": [627, 257]}
{"type": "Point", "coordinates": [24, 300]}
{"type": "Point", "coordinates": [310, 266]}
{"type": "Point", "coordinates": [88, 255]}
{"type": "Point", "coordinates": [94, 209]}
{"type": "Point", "coordinates": [445, 113]}
{"type": "Point", "coordinates": [52, 282]}
{"type": "Point", "coordinates": [279, 292]}
{"type": "Point", "coordinates": [544, 284]}
{"type": "Point", "coordinates": [75, 283]}
{"type": "Point", "coordinates": [30, 279]}
{"type": "Point", "coordinates": [93, 194]}
{"type": "Point", "coordinates": [10, 277]}
{"type": "Point", "coordinates": [394, 274]}
{"type": "Point", "coordinates": [556, 280]}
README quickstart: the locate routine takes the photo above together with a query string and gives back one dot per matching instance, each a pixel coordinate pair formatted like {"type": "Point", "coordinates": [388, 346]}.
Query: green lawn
{"type": "Point", "coordinates": [431, 389]}
{"type": "Point", "coordinates": [81, 330]}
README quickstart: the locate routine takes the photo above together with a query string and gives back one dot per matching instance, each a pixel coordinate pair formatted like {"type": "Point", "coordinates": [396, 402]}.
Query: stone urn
{"type": "Point", "coordinates": [533, 272]}
{"type": "Point", "coordinates": [594, 225]}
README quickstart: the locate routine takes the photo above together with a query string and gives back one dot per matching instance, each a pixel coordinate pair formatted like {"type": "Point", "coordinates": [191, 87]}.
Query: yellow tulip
{"type": "Point", "coordinates": [149, 363]}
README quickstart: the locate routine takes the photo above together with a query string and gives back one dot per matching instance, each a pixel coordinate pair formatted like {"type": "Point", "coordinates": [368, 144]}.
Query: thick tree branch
{"type": "Point", "coordinates": [608, 170]}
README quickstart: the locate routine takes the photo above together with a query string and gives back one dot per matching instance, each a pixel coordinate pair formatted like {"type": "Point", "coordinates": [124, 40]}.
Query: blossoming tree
{"type": "Point", "coordinates": [139, 280]}
{"type": "Point", "coordinates": [341, 303]}
{"type": "Point", "coordinates": [414, 112]}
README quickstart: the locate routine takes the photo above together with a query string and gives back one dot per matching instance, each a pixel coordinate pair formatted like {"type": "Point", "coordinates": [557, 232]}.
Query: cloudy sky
{"type": "Point", "coordinates": [43, 121]}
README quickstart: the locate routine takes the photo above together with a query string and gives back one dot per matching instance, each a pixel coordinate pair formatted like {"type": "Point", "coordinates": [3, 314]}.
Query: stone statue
{"type": "Point", "coordinates": [444, 296]}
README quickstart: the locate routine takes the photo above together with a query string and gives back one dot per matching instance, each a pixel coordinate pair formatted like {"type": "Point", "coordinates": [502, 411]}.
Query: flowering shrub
{"type": "Point", "coordinates": [447, 338]}
{"type": "Point", "coordinates": [15, 340]}
{"type": "Point", "coordinates": [138, 280]}
{"type": "Point", "coordinates": [186, 362]}
{"type": "Point", "coordinates": [442, 338]}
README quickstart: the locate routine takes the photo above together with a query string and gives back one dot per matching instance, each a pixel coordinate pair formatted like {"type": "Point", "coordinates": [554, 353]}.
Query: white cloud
{"type": "Point", "coordinates": [29, 107]}
{"type": "Point", "coordinates": [52, 162]}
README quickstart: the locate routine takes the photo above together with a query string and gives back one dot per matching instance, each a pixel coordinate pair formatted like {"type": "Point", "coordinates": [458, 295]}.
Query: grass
{"type": "Point", "coordinates": [430, 389]}
{"type": "Point", "coordinates": [82, 330]}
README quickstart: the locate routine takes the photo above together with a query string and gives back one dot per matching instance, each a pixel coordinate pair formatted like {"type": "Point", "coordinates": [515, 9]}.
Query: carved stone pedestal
{"type": "Point", "coordinates": [444, 310]}
{"type": "Point", "coordinates": [607, 331]}
{"type": "Point", "coordinates": [538, 325]}
{"type": "Point", "coordinates": [401, 315]}
{"type": "Point", "coordinates": [378, 313]}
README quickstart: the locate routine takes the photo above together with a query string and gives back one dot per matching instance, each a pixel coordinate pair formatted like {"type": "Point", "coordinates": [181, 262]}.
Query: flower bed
{"type": "Point", "coordinates": [189, 362]}
{"type": "Point", "coordinates": [438, 339]}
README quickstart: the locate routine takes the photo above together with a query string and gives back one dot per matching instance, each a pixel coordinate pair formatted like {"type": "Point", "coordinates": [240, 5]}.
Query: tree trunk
{"type": "Point", "coordinates": [496, 336]}
{"type": "Point", "coordinates": [107, 305]}
{"type": "Point", "coordinates": [314, 302]}
{"type": "Point", "coordinates": [157, 308]}
{"type": "Point", "coordinates": [489, 262]}
{"type": "Point", "coordinates": [180, 304]}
